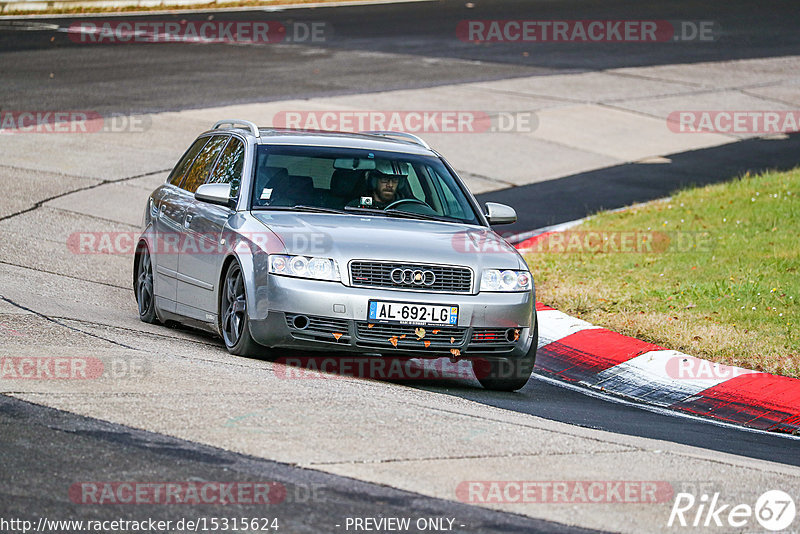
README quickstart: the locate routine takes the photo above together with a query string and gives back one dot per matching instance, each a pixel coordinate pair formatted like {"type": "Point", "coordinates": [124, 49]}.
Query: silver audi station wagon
{"type": "Point", "coordinates": [335, 242]}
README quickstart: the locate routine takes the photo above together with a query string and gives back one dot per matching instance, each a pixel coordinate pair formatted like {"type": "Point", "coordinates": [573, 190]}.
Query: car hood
{"type": "Point", "coordinates": [348, 237]}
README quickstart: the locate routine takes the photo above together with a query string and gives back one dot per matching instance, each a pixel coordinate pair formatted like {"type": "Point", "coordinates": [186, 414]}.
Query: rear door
{"type": "Point", "coordinates": [196, 246]}
{"type": "Point", "coordinates": [167, 202]}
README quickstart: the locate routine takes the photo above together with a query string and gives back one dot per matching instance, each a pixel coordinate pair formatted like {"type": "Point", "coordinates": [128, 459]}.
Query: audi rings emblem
{"type": "Point", "coordinates": [417, 277]}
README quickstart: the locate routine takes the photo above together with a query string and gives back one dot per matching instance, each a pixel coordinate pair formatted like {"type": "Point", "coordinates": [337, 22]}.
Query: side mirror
{"type": "Point", "coordinates": [219, 194]}
{"type": "Point", "coordinates": [500, 213]}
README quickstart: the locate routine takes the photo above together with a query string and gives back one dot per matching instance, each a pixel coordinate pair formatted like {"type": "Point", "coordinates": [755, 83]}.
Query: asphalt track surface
{"type": "Point", "coordinates": [44, 450]}
{"type": "Point", "coordinates": [379, 48]}
{"type": "Point", "coordinates": [557, 403]}
{"type": "Point", "coordinates": [370, 48]}
{"type": "Point", "coordinates": [48, 448]}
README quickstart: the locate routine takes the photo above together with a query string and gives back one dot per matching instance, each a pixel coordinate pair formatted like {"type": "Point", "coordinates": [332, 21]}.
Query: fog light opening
{"type": "Point", "coordinates": [300, 322]}
{"type": "Point", "coordinates": [511, 335]}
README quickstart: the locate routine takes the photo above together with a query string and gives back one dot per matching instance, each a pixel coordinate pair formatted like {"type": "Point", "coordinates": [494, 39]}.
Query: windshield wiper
{"type": "Point", "coordinates": [371, 211]}
{"type": "Point", "coordinates": [401, 214]}
{"type": "Point", "coordinates": [301, 207]}
{"type": "Point", "coordinates": [422, 216]}
{"type": "Point", "coordinates": [317, 209]}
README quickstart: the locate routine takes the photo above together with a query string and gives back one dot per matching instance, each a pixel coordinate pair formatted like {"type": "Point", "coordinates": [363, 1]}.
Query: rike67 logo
{"type": "Point", "coordinates": [774, 510]}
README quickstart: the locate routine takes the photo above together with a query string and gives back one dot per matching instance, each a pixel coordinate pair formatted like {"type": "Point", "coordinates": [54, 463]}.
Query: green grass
{"type": "Point", "coordinates": [721, 279]}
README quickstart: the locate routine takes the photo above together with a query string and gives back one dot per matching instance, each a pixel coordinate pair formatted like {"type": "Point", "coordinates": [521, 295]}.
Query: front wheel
{"type": "Point", "coordinates": [510, 374]}
{"type": "Point", "coordinates": [145, 296]}
{"type": "Point", "coordinates": [233, 315]}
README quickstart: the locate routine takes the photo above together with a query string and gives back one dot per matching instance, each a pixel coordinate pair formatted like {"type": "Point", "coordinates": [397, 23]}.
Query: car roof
{"type": "Point", "coordinates": [385, 141]}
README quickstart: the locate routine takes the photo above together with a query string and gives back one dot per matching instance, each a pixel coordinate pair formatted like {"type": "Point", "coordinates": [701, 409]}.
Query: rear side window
{"type": "Point", "coordinates": [229, 167]}
{"type": "Point", "coordinates": [179, 171]}
{"type": "Point", "coordinates": [202, 164]}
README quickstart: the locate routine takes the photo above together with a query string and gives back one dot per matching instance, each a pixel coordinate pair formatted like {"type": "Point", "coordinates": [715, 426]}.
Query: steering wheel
{"type": "Point", "coordinates": [406, 201]}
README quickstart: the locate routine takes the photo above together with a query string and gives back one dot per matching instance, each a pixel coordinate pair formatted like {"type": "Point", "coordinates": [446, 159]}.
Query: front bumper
{"type": "Point", "coordinates": [489, 324]}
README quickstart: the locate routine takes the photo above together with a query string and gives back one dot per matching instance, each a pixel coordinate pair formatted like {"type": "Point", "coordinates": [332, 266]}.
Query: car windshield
{"type": "Point", "coordinates": [357, 181]}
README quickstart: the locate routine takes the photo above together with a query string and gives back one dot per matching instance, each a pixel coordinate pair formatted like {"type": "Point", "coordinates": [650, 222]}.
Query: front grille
{"type": "Point", "coordinates": [319, 328]}
{"type": "Point", "coordinates": [380, 335]}
{"type": "Point", "coordinates": [378, 274]}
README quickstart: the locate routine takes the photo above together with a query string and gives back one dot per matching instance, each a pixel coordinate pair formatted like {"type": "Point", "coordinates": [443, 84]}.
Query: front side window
{"type": "Point", "coordinates": [228, 169]}
{"type": "Point", "coordinates": [199, 170]}
{"type": "Point", "coordinates": [356, 180]}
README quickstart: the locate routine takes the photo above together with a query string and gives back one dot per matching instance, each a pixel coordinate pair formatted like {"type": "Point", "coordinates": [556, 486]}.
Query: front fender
{"type": "Point", "coordinates": [249, 243]}
{"type": "Point", "coordinates": [255, 271]}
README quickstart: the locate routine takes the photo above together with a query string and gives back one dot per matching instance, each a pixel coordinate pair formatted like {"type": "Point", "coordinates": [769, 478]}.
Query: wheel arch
{"type": "Point", "coordinates": [142, 244]}
{"type": "Point", "coordinates": [251, 284]}
{"type": "Point", "coordinates": [226, 263]}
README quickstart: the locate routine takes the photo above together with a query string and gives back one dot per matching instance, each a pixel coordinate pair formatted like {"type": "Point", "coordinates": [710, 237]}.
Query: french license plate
{"type": "Point", "coordinates": [382, 311]}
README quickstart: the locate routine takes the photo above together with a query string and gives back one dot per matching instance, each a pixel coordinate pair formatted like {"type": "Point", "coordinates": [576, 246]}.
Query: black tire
{"type": "Point", "coordinates": [234, 322]}
{"type": "Point", "coordinates": [510, 374]}
{"type": "Point", "coordinates": [143, 287]}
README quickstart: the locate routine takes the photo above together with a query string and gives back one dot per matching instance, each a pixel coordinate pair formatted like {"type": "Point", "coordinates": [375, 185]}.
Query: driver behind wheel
{"type": "Point", "coordinates": [385, 183]}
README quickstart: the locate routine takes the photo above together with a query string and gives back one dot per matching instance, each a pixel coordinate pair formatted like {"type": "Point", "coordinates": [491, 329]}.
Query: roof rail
{"type": "Point", "coordinates": [234, 122]}
{"type": "Point", "coordinates": [405, 135]}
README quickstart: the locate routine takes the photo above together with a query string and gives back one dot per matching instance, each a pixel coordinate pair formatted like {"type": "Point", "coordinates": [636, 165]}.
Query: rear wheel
{"type": "Point", "coordinates": [145, 297]}
{"type": "Point", "coordinates": [510, 374]}
{"type": "Point", "coordinates": [233, 317]}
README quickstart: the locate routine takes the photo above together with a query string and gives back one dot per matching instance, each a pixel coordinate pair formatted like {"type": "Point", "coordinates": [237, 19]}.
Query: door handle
{"type": "Point", "coordinates": [187, 221]}
{"type": "Point", "coordinates": [161, 211]}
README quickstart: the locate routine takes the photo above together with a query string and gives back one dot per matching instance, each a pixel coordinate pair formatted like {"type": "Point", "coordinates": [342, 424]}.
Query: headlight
{"type": "Point", "coordinates": [303, 267]}
{"type": "Point", "coordinates": [496, 280]}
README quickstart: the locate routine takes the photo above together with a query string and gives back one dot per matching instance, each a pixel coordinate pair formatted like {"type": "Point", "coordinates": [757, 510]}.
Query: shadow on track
{"type": "Point", "coordinates": [574, 197]}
